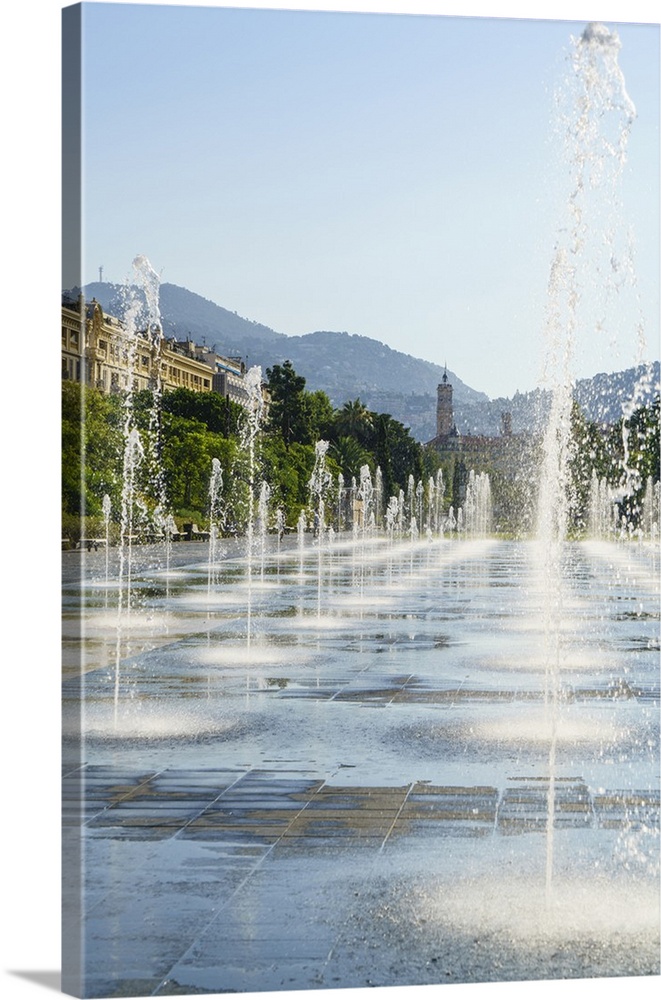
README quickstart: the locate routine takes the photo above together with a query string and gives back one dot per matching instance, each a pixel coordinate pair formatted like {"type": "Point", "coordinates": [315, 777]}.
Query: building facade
{"type": "Point", "coordinates": [501, 452]}
{"type": "Point", "coordinates": [97, 351]}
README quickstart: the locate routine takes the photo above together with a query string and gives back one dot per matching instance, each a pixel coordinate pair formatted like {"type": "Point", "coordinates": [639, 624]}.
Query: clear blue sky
{"type": "Point", "coordinates": [389, 175]}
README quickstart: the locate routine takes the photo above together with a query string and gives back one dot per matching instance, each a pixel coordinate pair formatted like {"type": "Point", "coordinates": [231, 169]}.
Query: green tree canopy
{"type": "Point", "coordinates": [354, 420]}
{"type": "Point", "coordinates": [287, 406]}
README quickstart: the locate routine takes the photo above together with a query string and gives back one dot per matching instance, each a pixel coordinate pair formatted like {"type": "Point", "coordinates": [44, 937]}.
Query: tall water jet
{"type": "Point", "coordinates": [141, 314]}
{"type": "Point", "coordinates": [252, 419]}
{"type": "Point", "coordinates": [400, 513]}
{"type": "Point", "coordinates": [280, 525]}
{"type": "Point", "coordinates": [215, 502]}
{"type": "Point", "coordinates": [410, 499]}
{"type": "Point", "coordinates": [378, 497]}
{"type": "Point", "coordinates": [353, 493]}
{"type": "Point", "coordinates": [651, 513]}
{"type": "Point", "coordinates": [431, 505]}
{"type": "Point", "coordinates": [595, 118]}
{"type": "Point", "coordinates": [420, 501]}
{"type": "Point", "coordinates": [367, 499]}
{"type": "Point", "coordinates": [477, 506]}
{"type": "Point", "coordinates": [391, 518]}
{"type": "Point", "coordinates": [169, 531]}
{"type": "Point", "coordinates": [341, 500]}
{"type": "Point", "coordinates": [149, 283]}
{"type": "Point", "coordinates": [106, 508]}
{"type": "Point", "coordinates": [318, 485]}
{"type": "Point", "coordinates": [301, 525]}
{"type": "Point", "coordinates": [602, 509]}
{"type": "Point", "coordinates": [439, 491]}
{"type": "Point", "coordinates": [263, 523]}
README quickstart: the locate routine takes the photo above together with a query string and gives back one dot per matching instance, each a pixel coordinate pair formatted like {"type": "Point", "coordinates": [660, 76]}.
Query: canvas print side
{"type": "Point", "coordinates": [73, 372]}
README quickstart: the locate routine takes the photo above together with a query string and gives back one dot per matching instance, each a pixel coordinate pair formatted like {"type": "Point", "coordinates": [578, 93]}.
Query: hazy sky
{"type": "Point", "coordinates": [388, 175]}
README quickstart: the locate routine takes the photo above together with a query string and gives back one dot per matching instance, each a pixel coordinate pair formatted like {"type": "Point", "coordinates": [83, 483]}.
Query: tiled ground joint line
{"type": "Point", "coordinates": [253, 870]}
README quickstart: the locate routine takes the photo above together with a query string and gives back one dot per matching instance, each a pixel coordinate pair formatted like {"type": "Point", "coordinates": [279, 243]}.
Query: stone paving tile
{"type": "Point", "coordinates": [318, 812]}
{"type": "Point", "coordinates": [254, 977]}
{"type": "Point", "coordinates": [246, 948]}
{"type": "Point", "coordinates": [150, 813]}
{"type": "Point", "coordinates": [627, 809]}
{"type": "Point", "coordinates": [228, 835]}
{"type": "Point", "coordinates": [410, 695]}
{"type": "Point", "coordinates": [325, 846]}
{"type": "Point", "coordinates": [239, 801]}
{"type": "Point", "coordinates": [130, 832]}
{"type": "Point", "coordinates": [157, 905]}
{"type": "Point", "coordinates": [446, 804]}
{"type": "Point", "coordinates": [371, 792]}
{"type": "Point", "coordinates": [294, 781]}
{"type": "Point", "coordinates": [332, 829]}
{"type": "Point", "coordinates": [447, 829]}
{"type": "Point", "coordinates": [235, 807]}
{"type": "Point", "coordinates": [103, 784]}
{"type": "Point", "coordinates": [168, 799]}
{"type": "Point", "coordinates": [525, 806]}
{"type": "Point", "coordinates": [261, 942]}
{"type": "Point", "coordinates": [111, 987]}
{"type": "Point", "coordinates": [219, 820]}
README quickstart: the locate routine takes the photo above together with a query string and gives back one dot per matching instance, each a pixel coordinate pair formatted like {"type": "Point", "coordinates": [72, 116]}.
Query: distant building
{"type": "Point", "coordinates": [96, 350]}
{"type": "Point", "coordinates": [445, 425]}
{"type": "Point", "coordinates": [228, 373]}
{"type": "Point", "coordinates": [502, 452]}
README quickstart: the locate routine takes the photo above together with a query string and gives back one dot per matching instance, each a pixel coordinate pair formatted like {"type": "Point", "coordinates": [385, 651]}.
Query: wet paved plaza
{"type": "Point", "coordinates": [335, 771]}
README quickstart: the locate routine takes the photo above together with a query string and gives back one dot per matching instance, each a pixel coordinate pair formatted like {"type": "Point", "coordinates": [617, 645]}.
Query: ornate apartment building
{"type": "Point", "coordinates": [96, 350]}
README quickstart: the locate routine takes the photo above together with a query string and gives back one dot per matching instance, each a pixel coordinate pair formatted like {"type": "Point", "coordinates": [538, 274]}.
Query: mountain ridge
{"type": "Point", "coordinates": [348, 366]}
{"type": "Point", "coordinates": [347, 374]}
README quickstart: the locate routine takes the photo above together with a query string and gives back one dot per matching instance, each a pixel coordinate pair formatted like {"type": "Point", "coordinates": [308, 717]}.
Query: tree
{"type": "Point", "coordinates": [354, 420]}
{"type": "Point", "coordinates": [459, 481]}
{"type": "Point", "coordinates": [318, 416]}
{"type": "Point", "coordinates": [91, 449]}
{"type": "Point", "coordinates": [405, 452]}
{"type": "Point", "coordinates": [350, 456]}
{"type": "Point", "coordinates": [219, 414]}
{"type": "Point", "coordinates": [287, 407]}
{"type": "Point", "coordinates": [187, 453]}
{"type": "Point", "coordinates": [639, 461]}
{"type": "Point", "coordinates": [288, 472]}
{"type": "Point", "coordinates": [643, 441]}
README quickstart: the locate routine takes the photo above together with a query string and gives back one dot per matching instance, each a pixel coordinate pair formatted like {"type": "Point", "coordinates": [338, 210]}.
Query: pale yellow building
{"type": "Point", "coordinates": [97, 350]}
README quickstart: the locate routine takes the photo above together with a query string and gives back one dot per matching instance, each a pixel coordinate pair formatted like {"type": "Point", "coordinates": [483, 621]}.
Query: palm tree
{"type": "Point", "coordinates": [354, 420]}
{"type": "Point", "coordinates": [350, 456]}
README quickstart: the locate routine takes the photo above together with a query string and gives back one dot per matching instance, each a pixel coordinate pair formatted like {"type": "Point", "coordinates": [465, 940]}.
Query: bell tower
{"type": "Point", "coordinates": [444, 414]}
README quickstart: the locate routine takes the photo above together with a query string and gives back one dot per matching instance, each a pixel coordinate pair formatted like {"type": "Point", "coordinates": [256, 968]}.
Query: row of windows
{"type": "Point", "coordinates": [112, 352]}
{"type": "Point", "coordinates": [70, 337]}
{"type": "Point", "coordinates": [71, 369]}
{"type": "Point", "coordinates": [180, 377]}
